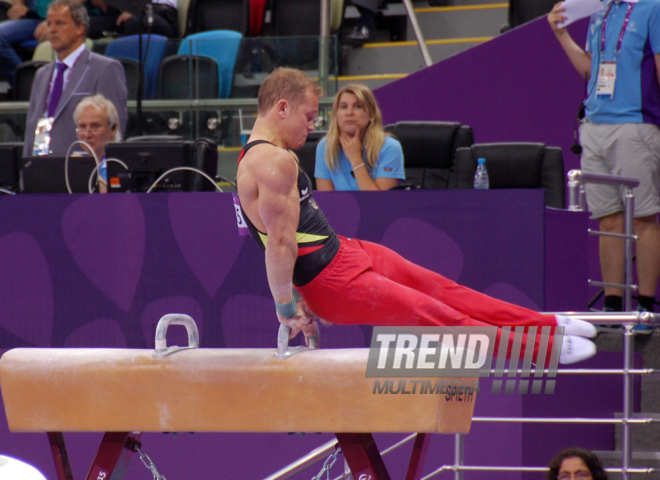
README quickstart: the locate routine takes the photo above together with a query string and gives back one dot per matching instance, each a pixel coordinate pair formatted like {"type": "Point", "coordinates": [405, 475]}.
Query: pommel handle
{"type": "Point", "coordinates": [283, 351]}
{"type": "Point", "coordinates": [162, 350]}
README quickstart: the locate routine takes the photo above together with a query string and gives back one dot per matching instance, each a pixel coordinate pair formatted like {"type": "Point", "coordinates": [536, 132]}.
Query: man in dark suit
{"type": "Point", "coordinates": [59, 86]}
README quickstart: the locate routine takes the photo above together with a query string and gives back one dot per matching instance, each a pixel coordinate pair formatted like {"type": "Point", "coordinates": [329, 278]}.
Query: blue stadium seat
{"type": "Point", "coordinates": [220, 45]}
{"type": "Point", "coordinates": [128, 48]}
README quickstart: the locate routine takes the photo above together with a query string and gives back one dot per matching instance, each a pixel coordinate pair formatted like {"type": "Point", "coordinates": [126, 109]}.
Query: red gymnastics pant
{"type": "Point", "coordinates": [369, 284]}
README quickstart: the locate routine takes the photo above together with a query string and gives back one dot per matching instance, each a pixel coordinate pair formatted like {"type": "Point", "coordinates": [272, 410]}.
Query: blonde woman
{"type": "Point", "coordinates": [357, 154]}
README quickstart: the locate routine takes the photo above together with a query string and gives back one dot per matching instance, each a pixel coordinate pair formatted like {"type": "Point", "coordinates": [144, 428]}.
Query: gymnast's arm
{"type": "Point", "coordinates": [279, 210]}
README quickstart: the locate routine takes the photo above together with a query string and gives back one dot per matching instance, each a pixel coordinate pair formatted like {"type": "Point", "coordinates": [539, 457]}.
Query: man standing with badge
{"type": "Point", "coordinates": [620, 132]}
{"type": "Point", "coordinates": [59, 86]}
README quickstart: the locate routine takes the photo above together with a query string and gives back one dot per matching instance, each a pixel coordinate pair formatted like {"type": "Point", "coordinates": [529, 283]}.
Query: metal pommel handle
{"type": "Point", "coordinates": [283, 350]}
{"type": "Point", "coordinates": [162, 350]}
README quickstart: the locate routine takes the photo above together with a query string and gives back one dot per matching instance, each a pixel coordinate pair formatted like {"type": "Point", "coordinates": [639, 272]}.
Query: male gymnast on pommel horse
{"type": "Point", "coordinates": [345, 280]}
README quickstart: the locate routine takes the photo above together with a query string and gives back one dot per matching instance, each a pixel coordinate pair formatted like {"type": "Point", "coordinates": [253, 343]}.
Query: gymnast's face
{"type": "Point", "coordinates": [299, 119]}
{"type": "Point", "coordinates": [352, 115]}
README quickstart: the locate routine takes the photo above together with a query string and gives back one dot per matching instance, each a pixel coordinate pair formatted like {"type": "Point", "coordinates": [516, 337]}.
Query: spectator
{"type": "Point", "coordinates": [575, 464]}
{"type": "Point", "coordinates": [97, 123]}
{"type": "Point", "coordinates": [76, 73]}
{"type": "Point", "coordinates": [365, 28]}
{"type": "Point", "coordinates": [164, 19]}
{"type": "Point", "coordinates": [24, 24]}
{"type": "Point", "coordinates": [620, 134]}
{"type": "Point", "coordinates": [357, 154]}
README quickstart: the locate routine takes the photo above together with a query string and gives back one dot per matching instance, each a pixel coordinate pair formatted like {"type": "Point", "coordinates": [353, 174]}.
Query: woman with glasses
{"type": "Point", "coordinates": [357, 154]}
{"type": "Point", "coordinates": [576, 464]}
{"type": "Point", "coordinates": [97, 123]}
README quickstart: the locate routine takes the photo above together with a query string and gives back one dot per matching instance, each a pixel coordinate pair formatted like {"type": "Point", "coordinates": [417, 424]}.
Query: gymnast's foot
{"type": "Point", "coordinates": [575, 349]}
{"type": "Point", "coordinates": [574, 326]}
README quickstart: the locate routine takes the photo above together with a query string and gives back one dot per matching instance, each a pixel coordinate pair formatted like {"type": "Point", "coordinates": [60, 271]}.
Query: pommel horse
{"type": "Point", "coordinates": [123, 392]}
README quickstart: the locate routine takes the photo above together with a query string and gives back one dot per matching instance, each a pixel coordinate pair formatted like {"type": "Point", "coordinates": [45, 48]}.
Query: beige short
{"type": "Point", "coordinates": [628, 150]}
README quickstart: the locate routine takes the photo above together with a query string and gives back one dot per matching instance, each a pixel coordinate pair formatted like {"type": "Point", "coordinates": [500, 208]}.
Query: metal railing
{"type": "Point", "coordinates": [628, 320]}
{"type": "Point", "coordinates": [576, 199]}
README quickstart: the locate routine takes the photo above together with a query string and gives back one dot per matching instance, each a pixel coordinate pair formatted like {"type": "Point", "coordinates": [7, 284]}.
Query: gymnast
{"type": "Point", "coordinates": [345, 280]}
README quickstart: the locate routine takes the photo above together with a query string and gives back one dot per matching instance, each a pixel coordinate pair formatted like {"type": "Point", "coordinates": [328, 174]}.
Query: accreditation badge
{"type": "Point", "coordinates": [41, 144]}
{"type": "Point", "coordinates": [606, 80]}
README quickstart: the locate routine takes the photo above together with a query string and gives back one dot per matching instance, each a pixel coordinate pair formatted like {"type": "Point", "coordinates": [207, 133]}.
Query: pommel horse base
{"type": "Point", "coordinates": [119, 391]}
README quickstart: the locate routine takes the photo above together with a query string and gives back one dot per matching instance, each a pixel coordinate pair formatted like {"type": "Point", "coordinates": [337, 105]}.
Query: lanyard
{"type": "Point", "coordinates": [617, 50]}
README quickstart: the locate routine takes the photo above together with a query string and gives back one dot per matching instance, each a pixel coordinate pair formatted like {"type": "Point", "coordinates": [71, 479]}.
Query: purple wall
{"type": "Point", "coordinates": [519, 86]}
{"type": "Point", "coordinates": [133, 258]}
{"type": "Point", "coordinates": [99, 271]}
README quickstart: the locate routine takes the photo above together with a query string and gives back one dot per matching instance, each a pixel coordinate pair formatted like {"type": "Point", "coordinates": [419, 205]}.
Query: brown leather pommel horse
{"type": "Point", "coordinates": [119, 391]}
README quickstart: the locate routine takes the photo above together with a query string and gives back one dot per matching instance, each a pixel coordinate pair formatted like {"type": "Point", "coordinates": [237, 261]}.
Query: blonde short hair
{"type": "Point", "coordinates": [288, 84]}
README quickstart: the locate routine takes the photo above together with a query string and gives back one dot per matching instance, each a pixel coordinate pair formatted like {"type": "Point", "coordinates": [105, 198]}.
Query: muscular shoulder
{"type": "Point", "coordinates": [269, 166]}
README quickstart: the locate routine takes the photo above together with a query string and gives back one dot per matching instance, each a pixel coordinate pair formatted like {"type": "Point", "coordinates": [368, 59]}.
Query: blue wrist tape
{"type": "Point", "coordinates": [287, 310]}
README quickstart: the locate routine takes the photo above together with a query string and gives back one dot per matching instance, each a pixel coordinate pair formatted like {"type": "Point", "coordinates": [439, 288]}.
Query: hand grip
{"type": "Point", "coordinates": [283, 350]}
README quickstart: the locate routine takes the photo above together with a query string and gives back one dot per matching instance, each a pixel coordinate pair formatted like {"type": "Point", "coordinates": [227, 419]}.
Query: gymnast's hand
{"type": "Point", "coordinates": [304, 320]}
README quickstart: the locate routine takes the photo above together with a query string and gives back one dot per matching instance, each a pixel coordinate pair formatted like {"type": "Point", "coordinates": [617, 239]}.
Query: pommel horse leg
{"type": "Point", "coordinates": [61, 458]}
{"type": "Point", "coordinates": [365, 461]}
{"type": "Point", "coordinates": [111, 459]}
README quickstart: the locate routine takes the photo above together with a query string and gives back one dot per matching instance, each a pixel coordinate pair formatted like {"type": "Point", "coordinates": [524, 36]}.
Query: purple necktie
{"type": "Point", "coordinates": [56, 91]}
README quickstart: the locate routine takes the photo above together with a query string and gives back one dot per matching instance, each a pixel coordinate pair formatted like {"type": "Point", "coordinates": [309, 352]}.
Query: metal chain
{"type": "Point", "coordinates": [327, 465]}
{"type": "Point", "coordinates": [149, 464]}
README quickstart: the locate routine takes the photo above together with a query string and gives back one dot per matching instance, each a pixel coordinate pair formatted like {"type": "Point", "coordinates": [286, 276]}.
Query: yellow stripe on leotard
{"type": "Point", "coordinates": [300, 238]}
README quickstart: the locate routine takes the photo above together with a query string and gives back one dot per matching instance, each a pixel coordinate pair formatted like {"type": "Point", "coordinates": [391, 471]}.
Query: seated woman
{"type": "Point", "coordinates": [97, 123]}
{"type": "Point", "coordinates": [357, 154]}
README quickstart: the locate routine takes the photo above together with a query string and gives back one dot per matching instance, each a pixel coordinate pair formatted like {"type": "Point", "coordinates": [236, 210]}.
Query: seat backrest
{"type": "Point", "coordinates": [222, 46]}
{"type": "Point", "coordinates": [523, 11]}
{"type": "Point", "coordinates": [303, 17]}
{"type": "Point", "coordinates": [296, 27]}
{"type": "Point", "coordinates": [429, 150]}
{"type": "Point", "coordinates": [25, 73]}
{"type": "Point", "coordinates": [206, 15]}
{"type": "Point", "coordinates": [132, 73]}
{"type": "Point", "coordinates": [552, 177]}
{"type": "Point", "coordinates": [153, 51]}
{"type": "Point", "coordinates": [514, 165]}
{"type": "Point", "coordinates": [187, 76]}
{"type": "Point", "coordinates": [307, 154]}
{"type": "Point", "coordinates": [204, 157]}
{"type": "Point", "coordinates": [10, 155]}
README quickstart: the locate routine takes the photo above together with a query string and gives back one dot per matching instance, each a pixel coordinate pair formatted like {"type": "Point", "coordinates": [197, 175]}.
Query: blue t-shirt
{"type": "Point", "coordinates": [40, 6]}
{"type": "Point", "coordinates": [636, 96]}
{"type": "Point", "coordinates": [388, 165]}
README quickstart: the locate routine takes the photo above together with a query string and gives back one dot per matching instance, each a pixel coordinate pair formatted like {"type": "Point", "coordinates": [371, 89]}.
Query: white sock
{"type": "Point", "coordinates": [575, 349]}
{"type": "Point", "coordinates": [574, 326]}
